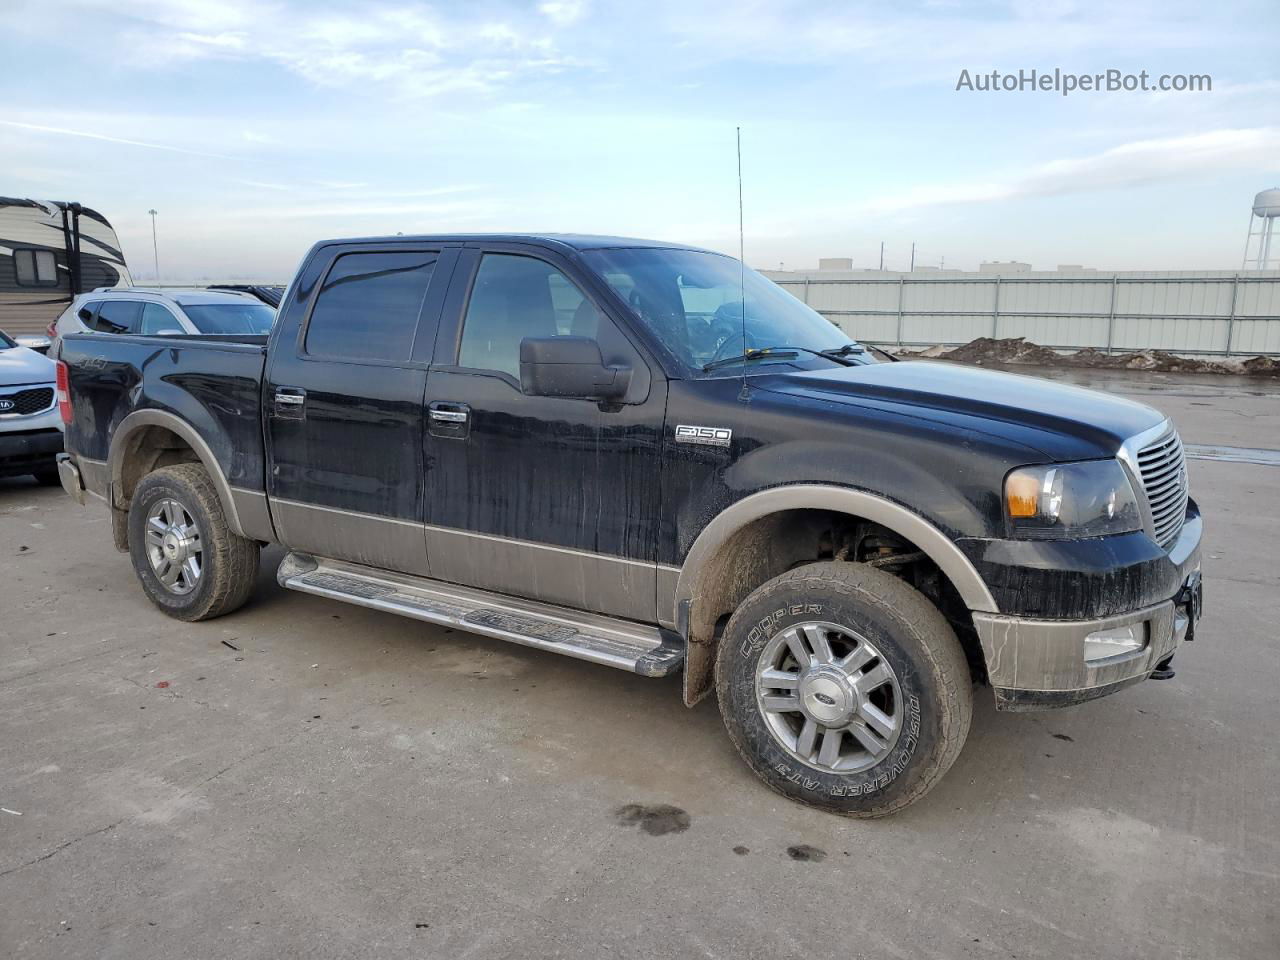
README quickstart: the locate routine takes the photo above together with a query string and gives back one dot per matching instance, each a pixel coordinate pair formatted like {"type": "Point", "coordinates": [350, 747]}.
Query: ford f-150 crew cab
{"type": "Point", "coordinates": [650, 457]}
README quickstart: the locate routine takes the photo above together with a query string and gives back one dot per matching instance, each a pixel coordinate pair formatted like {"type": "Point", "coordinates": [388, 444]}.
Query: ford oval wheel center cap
{"type": "Point", "coordinates": [828, 697]}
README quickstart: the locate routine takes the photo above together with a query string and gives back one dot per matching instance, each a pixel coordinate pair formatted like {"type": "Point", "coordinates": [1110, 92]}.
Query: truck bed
{"type": "Point", "coordinates": [214, 383]}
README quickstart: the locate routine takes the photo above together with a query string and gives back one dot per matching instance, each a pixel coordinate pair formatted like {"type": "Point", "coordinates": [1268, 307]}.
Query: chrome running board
{"type": "Point", "coordinates": [642, 649]}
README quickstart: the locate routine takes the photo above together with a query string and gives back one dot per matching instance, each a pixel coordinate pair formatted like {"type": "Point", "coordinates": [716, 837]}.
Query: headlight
{"type": "Point", "coordinates": [1068, 501]}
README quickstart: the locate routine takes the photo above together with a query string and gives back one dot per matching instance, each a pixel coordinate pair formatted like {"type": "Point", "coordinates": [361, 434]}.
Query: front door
{"type": "Point", "coordinates": [344, 397]}
{"type": "Point", "coordinates": [550, 498]}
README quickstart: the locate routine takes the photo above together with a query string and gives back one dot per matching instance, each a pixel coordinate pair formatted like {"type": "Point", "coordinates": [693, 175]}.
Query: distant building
{"type": "Point", "coordinates": [1075, 268]}
{"type": "Point", "coordinates": [1004, 266]}
{"type": "Point", "coordinates": [835, 263]}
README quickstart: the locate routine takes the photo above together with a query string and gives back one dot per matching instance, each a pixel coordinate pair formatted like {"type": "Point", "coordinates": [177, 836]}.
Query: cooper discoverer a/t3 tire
{"type": "Point", "coordinates": [189, 562]}
{"type": "Point", "coordinates": [844, 688]}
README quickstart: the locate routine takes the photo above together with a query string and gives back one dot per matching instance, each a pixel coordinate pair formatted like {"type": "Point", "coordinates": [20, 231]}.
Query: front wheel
{"type": "Point", "coordinates": [844, 688]}
{"type": "Point", "coordinates": [189, 562]}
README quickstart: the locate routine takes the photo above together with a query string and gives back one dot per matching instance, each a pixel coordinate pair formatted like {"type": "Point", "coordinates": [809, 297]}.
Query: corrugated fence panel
{"type": "Point", "coordinates": [869, 328]}
{"type": "Point", "coordinates": [932, 296]}
{"type": "Point", "coordinates": [1059, 297]}
{"type": "Point", "coordinates": [1174, 334]}
{"type": "Point", "coordinates": [1256, 336]}
{"type": "Point", "coordinates": [1057, 331]}
{"type": "Point", "coordinates": [1183, 312]}
{"type": "Point", "coordinates": [1258, 299]}
{"type": "Point", "coordinates": [879, 297]}
{"type": "Point", "coordinates": [928, 328]}
{"type": "Point", "coordinates": [1200, 298]}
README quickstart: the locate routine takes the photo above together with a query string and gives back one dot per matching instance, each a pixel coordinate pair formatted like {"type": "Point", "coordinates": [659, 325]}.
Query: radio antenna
{"type": "Point", "coordinates": [742, 270]}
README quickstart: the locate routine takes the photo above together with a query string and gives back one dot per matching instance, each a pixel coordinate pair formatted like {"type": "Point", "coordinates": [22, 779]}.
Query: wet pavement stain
{"type": "Point", "coordinates": [806, 854]}
{"type": "Point", "coordinates": [1062, 736]}
{"type": "Point", "coordinates": [654, 819]}
{"type": "Point", "coordinates": [742, 851]}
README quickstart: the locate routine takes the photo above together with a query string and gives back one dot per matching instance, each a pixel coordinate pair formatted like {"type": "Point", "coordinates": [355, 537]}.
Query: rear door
{"type": "Point", "coordinates": [343, 403]}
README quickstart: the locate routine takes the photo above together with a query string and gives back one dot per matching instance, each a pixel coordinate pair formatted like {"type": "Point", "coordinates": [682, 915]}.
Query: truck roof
{"type": "Point", "coordinates": [576, 241]}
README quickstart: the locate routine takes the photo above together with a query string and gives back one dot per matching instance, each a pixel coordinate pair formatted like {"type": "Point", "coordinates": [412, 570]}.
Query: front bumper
{"type": "Point", "coordinates": [1037, 664]}
{"type": "Point", "coordinates": [31, 448]}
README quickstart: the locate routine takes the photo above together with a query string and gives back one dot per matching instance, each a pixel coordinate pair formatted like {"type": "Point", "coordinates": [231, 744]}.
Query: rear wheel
{"type": "Point", "coordinates": [843, 687]}
{"type": "Point", "coordinates": [189, 562]}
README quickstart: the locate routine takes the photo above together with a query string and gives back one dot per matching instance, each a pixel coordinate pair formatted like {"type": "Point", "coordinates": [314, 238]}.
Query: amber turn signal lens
{"type": "Point", "coordinates": [1022, 495]}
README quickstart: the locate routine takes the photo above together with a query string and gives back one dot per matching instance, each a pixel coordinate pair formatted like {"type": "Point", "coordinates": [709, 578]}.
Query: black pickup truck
{"type": "Point", "coordinates": [647, 456]}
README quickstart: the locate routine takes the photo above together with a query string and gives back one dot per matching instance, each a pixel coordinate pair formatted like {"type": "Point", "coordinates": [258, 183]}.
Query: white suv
{"type": "Point", "coordinates": [162, 312]}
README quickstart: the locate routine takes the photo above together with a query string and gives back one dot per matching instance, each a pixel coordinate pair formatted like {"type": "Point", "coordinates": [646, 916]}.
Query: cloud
{"type": "Point", "coordinates": [408, 49]}
{"type": "Point", "coordinates": [1126, 165]}
{"type": "Point", "coordinates": [563, 11]}
{"type": "Point", "coordinates": [62, 131]}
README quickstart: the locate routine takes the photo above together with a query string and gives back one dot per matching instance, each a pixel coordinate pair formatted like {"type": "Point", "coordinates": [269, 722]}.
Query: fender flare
{"type": "Point", "coordinates": [936, 545]}
{"type": "Point", "coordinates": [161, 418]}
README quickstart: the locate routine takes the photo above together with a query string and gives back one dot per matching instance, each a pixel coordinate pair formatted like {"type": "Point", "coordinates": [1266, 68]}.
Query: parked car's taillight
{"type": "Point", "coordinates": [64, 393]}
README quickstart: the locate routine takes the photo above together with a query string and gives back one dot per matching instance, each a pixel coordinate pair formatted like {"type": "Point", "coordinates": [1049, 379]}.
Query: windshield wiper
{"type": "Point", "coordinates": [839, 353]}
{"type": "Point", "coordinates": [779, 353]}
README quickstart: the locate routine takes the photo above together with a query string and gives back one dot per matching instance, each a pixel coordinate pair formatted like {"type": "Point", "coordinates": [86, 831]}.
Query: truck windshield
{"type": "Point", "coordinates": [250, 318]}
{"type": "Point", "coordinates": [693, 301]}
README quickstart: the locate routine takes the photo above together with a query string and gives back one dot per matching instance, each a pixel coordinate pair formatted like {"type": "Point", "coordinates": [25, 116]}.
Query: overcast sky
{"type": "Point", "coordinates": [258, 127]}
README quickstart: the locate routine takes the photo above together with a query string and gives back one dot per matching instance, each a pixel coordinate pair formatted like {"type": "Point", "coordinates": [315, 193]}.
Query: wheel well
{"type": "Point", "coordinates": [147, 449]}
{"type": "Point", "coordinates": [773, 544]}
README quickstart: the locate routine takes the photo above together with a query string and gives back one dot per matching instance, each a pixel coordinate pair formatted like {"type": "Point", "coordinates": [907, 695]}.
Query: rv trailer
{"type": "Point", "coordinates": [50, 251]}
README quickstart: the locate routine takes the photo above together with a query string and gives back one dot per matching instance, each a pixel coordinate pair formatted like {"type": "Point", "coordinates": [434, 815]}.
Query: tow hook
{"type": "Point", "coordinates": [1164, 669]}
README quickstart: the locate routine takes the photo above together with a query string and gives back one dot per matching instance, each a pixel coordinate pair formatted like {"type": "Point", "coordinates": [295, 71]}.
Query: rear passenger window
{"type": "Point", "coordinates": [516, 297]}
{"type": "Point", "coordinates": [118, 316]}
{"type": "Point", "coordinates": [368, 307]}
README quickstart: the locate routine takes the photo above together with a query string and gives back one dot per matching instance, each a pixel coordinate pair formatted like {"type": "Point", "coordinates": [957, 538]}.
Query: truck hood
{"type": "Point", "coordinates": [1060, 421]}
{"type": "Point", "coordinates": [18, 365]}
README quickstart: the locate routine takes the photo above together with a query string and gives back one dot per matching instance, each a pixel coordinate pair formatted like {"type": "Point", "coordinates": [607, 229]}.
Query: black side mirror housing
{"type": "Point", "coordinates": [569, 367]}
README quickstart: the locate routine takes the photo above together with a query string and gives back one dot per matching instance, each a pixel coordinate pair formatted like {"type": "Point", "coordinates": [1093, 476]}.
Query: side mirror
{"type": "Point", "coordinates": [569, 367]}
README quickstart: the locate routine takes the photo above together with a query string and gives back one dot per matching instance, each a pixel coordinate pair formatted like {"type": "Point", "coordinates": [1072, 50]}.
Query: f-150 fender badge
{"type": "Point", "coordinates": [704, 436]}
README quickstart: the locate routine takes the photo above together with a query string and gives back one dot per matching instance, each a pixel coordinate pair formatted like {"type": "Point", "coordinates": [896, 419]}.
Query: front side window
{"type": "Point", "coordinates": [369, 304]}
{"type": "Point", "coordinates": [118, 316]}
{"type": "Point", "coordinates": [35, 268]}
{"type": "Point", "coordinates": [699, 304]}
{"type": "Point", "coordinates": [254, 319]}
{"type": "Point", "coordinates": [516, 297]}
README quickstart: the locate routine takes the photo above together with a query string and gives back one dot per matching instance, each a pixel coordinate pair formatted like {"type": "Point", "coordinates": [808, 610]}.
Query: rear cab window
{"type": "Point", "coordinates": [368, 305]}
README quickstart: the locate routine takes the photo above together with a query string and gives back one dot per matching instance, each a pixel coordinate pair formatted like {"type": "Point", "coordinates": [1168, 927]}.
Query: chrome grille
{"type": "Point", "coordinates": [1163, 469]}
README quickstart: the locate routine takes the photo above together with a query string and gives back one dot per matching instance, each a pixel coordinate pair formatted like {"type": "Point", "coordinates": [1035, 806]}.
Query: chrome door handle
{"type": "Point", "coordinates": [289, 403]}
{"type": "Point", "coordinates": [449, 416]}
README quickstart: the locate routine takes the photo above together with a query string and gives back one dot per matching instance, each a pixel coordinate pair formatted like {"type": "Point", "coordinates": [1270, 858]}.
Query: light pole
{"type": "Point", "coordinates": [155, 250]}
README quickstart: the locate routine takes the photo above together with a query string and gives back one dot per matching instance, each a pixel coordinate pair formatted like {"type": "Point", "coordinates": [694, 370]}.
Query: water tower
{"type": "Point", "coordinates": [1260, 253]}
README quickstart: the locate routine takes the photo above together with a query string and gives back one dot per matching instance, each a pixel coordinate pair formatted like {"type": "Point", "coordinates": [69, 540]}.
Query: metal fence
{"type": "Point", "coordinates": [1202, 313]}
